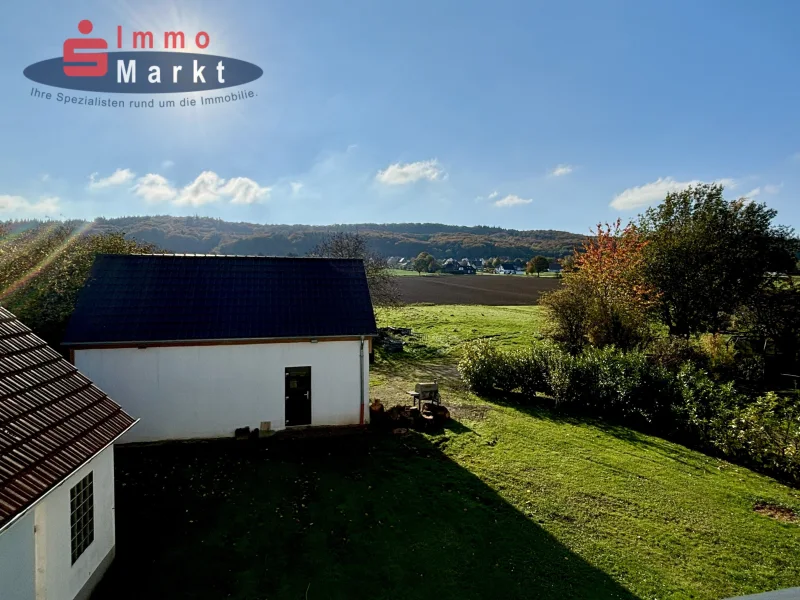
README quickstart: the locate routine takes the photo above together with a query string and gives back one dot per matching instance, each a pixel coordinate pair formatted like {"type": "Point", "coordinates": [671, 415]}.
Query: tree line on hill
{"type": "Point", "coordinates": [204, 235]}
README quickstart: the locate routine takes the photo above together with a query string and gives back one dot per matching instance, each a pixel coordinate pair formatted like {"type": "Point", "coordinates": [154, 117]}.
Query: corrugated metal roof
{"type": "Point", "coordinates": [158, 298]}
{"type": "Point", "coordinates": [52, 418]}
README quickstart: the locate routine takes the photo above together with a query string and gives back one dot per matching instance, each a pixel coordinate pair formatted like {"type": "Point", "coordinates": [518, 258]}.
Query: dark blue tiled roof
{"type": "Point", "coordinates": [151, 298]}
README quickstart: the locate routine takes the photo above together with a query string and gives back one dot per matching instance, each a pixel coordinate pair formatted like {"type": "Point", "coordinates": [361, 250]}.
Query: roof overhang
{"type": "Point", "coordinates": [216, 342]}
{"type": "Point", "coordinates": [33, 504]}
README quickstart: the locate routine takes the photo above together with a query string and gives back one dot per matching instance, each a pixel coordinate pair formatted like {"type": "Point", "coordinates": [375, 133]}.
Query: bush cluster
{"type": "Point", "coordinates": [684, 403]}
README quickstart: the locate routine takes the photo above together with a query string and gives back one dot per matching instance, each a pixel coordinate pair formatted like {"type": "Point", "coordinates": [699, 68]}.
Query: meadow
{"type": "Point", "coordinates": [510, 500]}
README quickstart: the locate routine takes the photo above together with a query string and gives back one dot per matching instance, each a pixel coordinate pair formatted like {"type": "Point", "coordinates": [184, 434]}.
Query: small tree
{"type": "Point", "coordinates": [423, 263]}
{"type": "Point", "coordinates": [605, 301]}
{"type": "Point", "coordinates": [537, 265]}
{"type": "Point", "coordinates": [383, 287]}
{"type": "Point", "coordinates": [568, 263]}
{"type": "Point", "coordinates": [774, 316]}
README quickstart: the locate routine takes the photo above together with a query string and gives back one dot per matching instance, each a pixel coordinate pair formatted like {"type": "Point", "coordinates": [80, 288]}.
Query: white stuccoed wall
{"type": "Point", "coordinates": [189, 392]}
{"type": "Point", "coordinates": [17, 561]}
{"type": "Point", "coordinates": [36, 564]}
{"type": "Point", "coordinates": [56, 577]}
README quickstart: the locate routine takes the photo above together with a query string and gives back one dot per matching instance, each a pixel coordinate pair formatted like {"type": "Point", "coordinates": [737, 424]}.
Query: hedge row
{"type": "Point", "coordinates": [684, 404]}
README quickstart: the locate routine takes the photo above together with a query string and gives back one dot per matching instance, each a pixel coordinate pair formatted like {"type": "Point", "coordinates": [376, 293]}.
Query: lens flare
{"type": "Point", "coordinates": [48, 259]}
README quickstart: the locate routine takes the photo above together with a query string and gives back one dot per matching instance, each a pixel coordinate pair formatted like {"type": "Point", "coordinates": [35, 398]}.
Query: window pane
{"type": "Point", "coordinates": [81, 516]}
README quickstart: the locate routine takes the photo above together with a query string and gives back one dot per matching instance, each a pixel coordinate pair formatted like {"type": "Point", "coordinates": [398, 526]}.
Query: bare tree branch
{"type": "Point", "coordinates": [382, 284]}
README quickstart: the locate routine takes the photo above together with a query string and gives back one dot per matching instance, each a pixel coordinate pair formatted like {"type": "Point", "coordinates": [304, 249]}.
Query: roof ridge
{"type": "Point", "coordinates": [139, 298]}
{"type": "Point", "coordinates": [256, 256]}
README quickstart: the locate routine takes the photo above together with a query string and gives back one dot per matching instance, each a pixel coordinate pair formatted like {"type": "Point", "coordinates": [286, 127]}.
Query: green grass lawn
{"type": "Point", "coordinates": [509, 501]}
{"type": "Point", "coordinates": [443, 329]}
{"type": "Point", "coordinates": [404, 273]}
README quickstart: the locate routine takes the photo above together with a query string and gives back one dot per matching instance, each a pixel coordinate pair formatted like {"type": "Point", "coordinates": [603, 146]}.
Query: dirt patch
{"type": "Point", "coordinates": [471, 412]}
{"type": "Point", "coordinates": [491, 290]}
{"type": "Point", "coordinates": [781, 513]}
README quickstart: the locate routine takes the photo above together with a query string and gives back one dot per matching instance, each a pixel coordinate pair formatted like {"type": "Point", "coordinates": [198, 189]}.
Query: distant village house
{"type": "Point", "coordinates": [506, 269]}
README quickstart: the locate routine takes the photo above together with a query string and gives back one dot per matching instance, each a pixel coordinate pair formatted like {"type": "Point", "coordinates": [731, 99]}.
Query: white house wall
{"type": "Point", "coordinates": [186, 392]}
{"type": "Point", "coordinates": [17, 567]}
{"type": "Point", "coordinates": [56, 577]}
{"type": "Point", "coordinates": [36, 551]}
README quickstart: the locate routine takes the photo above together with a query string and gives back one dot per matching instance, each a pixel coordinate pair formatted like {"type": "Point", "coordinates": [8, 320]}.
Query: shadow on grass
{"type": "Point", "coordinates": [362, 516]}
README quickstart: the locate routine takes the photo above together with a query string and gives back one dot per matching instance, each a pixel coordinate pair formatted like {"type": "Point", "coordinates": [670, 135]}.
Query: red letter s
{"type": "Point", "coordinates": [100, 59]}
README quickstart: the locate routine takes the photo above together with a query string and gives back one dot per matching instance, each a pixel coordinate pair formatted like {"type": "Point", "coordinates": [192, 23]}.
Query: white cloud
{"type": "Point", "coordinates": [203, 190]}
{"type": "Point", "coordinates": [562, 170]}
{"type": "Point", "coordinates": [649, 193]}
{"type": "Point", "coordinates": [118, 177]}
{"type": "Point", "coordinates": [154, 188]}
{"type": "Point", "coordinates": [769, 188]}
{"type": "Point", "coordinates": [296, 187]}
{"type": "Point", "coordinates": [512, 200]}
{"type": "Point", "coordinates": [243, 190]}
{"type": "Point", "coordinates": [207, 188]}
{"type": "Point", "coordinates": [491, 196]}
{"type": "Point", "coordinates": [17, 206]}
{"type": "Point", "coordinates": [401, 174]}
{"type": "Point", "coordinates": [167, 164]}
{"type": "Point", "coordinates": [45, 177]}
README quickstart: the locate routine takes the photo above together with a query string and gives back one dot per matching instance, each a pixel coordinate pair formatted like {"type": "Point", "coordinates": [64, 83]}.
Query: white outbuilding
{"type": "Point", "coordinates": [209, 346]}
{"type": "Point", "coordinates": [57, 430]}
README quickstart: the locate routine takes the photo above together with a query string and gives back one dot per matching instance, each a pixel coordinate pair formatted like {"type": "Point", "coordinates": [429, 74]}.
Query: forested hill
{"type": "Point", "coordinates": [207, 235]}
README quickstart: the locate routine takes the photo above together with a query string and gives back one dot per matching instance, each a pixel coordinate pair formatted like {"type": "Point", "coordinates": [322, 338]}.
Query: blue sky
{"type": "Point", "coordinates": [523, 114]}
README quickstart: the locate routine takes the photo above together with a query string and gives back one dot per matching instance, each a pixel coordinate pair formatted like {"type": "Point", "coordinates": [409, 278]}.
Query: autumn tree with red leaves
{"type": "Point", "coordinates": [605, 300]}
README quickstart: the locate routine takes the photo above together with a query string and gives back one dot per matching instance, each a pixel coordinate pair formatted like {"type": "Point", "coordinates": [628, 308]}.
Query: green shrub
{"type": "Point", "coordinates": [568, 314]}
{"type": "Point", "coordinates": [613, 383]}
{"type": "Point", "coordinates": [580, 316]}
{"type": "Point", "coordinates": [485, 368]}
{"type": "Point", "coordinates": [706, 407]}
{"type": "Point", "coordinates": [766, 433]}
{"type": "Point", "coordinates": [564, 382]}
{"type": "Point", "coordinates": [672, 352]}
{"type": "Point", "coordinates": [482, 366]}
{"type": "Point", "coordinates": [598, 381]}
{"type": "Point", "coordinates": [691, 405]}
{"type": "Point", "coordinates": [751, 371]}
{"type": "Point", "coordinates": [630, 386]}
{"type": "Point", "coordinates": [712, 353]}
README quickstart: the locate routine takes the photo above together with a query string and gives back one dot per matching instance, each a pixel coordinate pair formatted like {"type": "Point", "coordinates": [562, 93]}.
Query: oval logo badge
{"type": "Point", "coordinates": [88, 66]}
{"type": "Point", "coordinates": [135, 73]}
